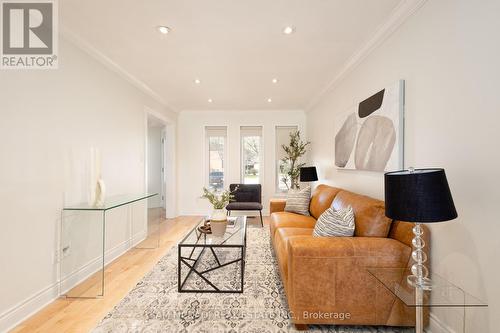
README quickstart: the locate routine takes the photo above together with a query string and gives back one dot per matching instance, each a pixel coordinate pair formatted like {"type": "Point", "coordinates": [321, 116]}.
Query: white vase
{"type": "Point", "coordinates": [100, 193]}
{"type": "Point", "coordinates": [97, 193]}
{"type": "Point", "coordinates": [218, 222]}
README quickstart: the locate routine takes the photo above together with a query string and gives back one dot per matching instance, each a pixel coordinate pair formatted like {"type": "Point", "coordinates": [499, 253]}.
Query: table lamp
{"type": "Point", "coordinates": [420, 196]}
{"type": "Point", "coordinates": [308, 174]}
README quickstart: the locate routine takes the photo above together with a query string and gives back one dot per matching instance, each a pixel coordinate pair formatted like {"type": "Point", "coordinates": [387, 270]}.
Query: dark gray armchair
{"type": "Point", "coordinates": [246, 197]}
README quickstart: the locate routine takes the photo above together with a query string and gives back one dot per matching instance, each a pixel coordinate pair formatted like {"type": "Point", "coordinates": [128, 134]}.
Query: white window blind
{"type": "Point", "coordinates": [217, 131]}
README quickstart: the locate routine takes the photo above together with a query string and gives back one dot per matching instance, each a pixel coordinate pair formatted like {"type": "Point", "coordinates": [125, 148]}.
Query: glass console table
{"type": "Point", "coordinates": [444, 294]}
{"type": "Point", "coordinates": [93, 236]}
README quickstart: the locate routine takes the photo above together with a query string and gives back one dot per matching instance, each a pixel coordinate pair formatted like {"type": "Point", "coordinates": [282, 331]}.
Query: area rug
{"type": "Point", "coordinates": [154, 305]}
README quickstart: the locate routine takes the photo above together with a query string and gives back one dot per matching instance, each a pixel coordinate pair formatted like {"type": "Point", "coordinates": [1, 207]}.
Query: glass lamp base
{"type": "Point", "coordinates": [416, 282]}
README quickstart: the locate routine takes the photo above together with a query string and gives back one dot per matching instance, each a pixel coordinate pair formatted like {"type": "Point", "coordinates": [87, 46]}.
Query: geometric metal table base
{"type": "Point", "coordinates": [192, 264]}
{"type": "Point", "coordinates": [200, 256]}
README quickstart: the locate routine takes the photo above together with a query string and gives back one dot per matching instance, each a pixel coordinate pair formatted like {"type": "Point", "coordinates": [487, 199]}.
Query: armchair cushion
{"type": "Point", "coordinates": [244, 206]}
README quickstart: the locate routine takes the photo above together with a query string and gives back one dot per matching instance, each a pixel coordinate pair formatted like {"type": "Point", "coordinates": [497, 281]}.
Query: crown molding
{"type": "Point", "coordinates": [110, 64]}
{"type": "Point", "coordinates": [402, 12]}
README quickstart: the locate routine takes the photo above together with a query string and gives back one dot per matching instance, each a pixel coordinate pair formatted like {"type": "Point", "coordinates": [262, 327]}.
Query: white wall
{"type": "Point", "coordinates": [191, 146]}
{"type": "Point", "coordinates": [154, 164]}
{"type": "Point", "coordinates": [448, 53]}
{"type": "Point", "coordinates": [62, 113]}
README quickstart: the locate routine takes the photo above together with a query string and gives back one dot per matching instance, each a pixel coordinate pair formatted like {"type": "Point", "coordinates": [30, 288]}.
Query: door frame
{"type": "Point", "coordinates": [169, 155]}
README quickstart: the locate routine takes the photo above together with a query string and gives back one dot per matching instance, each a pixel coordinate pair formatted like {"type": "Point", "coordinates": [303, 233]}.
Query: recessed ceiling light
{"type": "Point", "coordinates": [197, 81]}
{"type": "Point", "coordinates": [210, 100]}
{"type": "Point", "coordinates": [163, 29]}
{"type": "Point", "coordinates": [269, 100]}
{"type": "Point", "coordinates": [288, 30]}
{"type": "Point", "coordinates": [275, 80]}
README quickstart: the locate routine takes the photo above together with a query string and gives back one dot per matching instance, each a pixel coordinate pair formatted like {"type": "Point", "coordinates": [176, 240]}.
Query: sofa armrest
{"type": "Point", "coordinates": [332, 271]}
{"type": "Point", "coordinates": [277, 205]}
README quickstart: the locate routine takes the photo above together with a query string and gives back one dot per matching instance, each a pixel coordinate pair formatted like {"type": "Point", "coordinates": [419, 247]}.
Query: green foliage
{"type": "Point", "coordinates": [218, 201]}
{"type": "Point", "coordinates": [290, 166]}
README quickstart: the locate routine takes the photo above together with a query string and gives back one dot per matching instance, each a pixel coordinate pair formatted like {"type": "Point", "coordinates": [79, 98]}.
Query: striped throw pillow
{"type": "Point", "coordinates": [297, 201]}
{"type": "Point", "coordinates": [335, 223]}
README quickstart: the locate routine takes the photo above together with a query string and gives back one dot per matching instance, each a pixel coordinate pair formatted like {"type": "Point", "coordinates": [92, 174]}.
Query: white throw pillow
{"type": "Point", "coordinates": [335, 223]}
{"type": "Point", "coordinates": [297, 201]}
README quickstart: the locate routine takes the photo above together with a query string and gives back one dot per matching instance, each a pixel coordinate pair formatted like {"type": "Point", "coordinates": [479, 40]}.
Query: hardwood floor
{"type": "Point", "coordinates": [82, 315]}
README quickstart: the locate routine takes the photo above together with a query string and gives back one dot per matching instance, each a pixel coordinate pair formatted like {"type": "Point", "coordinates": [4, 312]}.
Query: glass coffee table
{"type": "Point", "coordinates": [210, 264]}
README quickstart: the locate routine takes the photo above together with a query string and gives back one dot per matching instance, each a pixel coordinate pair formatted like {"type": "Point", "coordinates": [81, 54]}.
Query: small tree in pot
{"type": "Point", "coordinates": [290, 166]}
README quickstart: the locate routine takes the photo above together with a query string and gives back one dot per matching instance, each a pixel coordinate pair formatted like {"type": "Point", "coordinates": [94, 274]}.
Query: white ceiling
{"type": "Point", "coordinates": [235, 47]}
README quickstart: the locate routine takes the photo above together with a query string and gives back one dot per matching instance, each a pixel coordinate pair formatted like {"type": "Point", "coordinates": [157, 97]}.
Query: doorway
{"type": "Point", "coordinates": [156, 168]}
{"type": "Point", "coordinates": [160, 161]}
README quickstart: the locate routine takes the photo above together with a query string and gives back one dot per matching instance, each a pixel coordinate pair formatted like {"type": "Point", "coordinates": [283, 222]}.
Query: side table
{"type": "Point", "coordinates": [444, 294]}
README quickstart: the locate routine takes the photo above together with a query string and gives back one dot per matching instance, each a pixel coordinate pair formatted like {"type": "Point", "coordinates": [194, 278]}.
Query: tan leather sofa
{"type": "Point", "coordinates": [326, 279]}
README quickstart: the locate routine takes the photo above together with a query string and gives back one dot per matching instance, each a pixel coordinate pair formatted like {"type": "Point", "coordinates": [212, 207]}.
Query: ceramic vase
{"type": "Point", "coordinates": [97, 193]}
{"type": "Point", "coordinates": [100, 193]}
{"type": "Point", "coordinates": [218, 222]}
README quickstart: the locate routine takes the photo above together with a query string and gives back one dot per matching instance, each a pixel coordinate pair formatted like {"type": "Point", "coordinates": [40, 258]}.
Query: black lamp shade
{"type": "Point", "coordinates": [308, 174]}
{"type": "Point", "coordinates": [421, 195]}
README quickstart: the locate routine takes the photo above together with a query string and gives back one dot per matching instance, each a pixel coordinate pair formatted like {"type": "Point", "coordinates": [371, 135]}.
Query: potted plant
{"type": "Point", "coordinates": [218, 219]}
{"type": "Point", "coordinates": [290, 166]}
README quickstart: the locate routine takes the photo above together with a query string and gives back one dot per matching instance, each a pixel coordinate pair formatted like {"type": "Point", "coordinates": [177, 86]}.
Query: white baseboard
{"type": "Point", "coordinates": [31, 305]}
{"type": "Point", "coordinates": [18, 313]}
{"type": "Point", "coordinates": [437, 326]}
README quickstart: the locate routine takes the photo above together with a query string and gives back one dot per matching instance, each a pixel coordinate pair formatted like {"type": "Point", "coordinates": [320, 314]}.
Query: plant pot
{"type": "Point", "coordinates": [218, 222]}
{"type": "Point", "coordinates": [218, 228]}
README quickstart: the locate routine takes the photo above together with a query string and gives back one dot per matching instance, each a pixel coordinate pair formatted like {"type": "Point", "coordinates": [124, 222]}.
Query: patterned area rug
{"type": "Point", "coordinates": [154, 305]}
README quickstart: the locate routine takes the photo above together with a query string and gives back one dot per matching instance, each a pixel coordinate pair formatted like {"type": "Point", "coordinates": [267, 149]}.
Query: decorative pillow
{"type": "Point", "coordinates": [338, 223]}
{"type": "Point", "coordinates": [297, 201]}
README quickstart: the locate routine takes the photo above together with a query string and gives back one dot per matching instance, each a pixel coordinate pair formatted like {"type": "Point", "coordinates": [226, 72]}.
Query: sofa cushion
{"type": "Point", "coordinates": [334, 223]}
{"type": "Point", "coordinates": [370, 214]}
{"type": "Point", "coordinates": [321, 199]}
{"type": "Point", "coordinates": [289, 220]}
{"type": "Point", "coordinates": [297, 201]}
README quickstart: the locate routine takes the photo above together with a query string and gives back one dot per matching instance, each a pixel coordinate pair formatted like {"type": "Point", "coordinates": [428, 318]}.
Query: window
{"type": "Point", "coordinates": [251, 151]}
{"type": "Point", "coordinates": [216, 148]}
{"type": "Point", "coordinates": [282, 138]}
